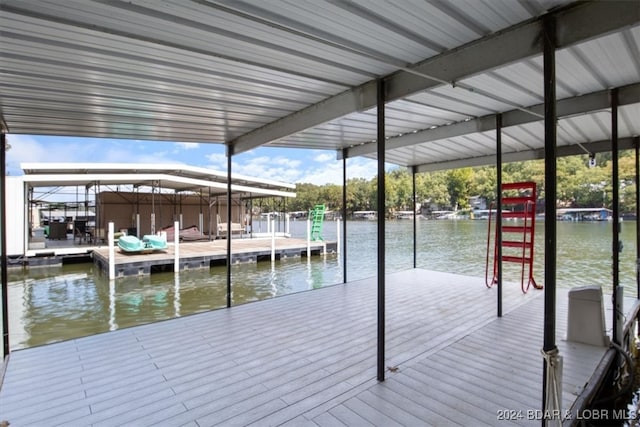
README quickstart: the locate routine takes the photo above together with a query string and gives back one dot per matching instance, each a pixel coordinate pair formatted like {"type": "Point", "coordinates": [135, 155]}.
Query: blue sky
{"type": "Point", "coordinates": [289, 165]}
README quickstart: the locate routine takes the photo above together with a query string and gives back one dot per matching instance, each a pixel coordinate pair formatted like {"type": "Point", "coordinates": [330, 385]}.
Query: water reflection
{"type": "Point", "coordinates": [112, 306]}
{"type": "Point", "coordinates": [176, 295]}
{"type": "Point", "coordinates": [53, 304]}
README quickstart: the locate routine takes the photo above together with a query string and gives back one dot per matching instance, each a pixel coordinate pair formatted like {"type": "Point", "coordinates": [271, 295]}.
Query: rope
{"type": "Point", "coordinates": [486, 267]}
{"type": "Point", "coordinates": [551, 359]}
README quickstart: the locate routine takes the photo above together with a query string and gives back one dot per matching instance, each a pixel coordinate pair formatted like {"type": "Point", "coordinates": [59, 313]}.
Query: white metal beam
{"type": "Point", "coordinates": [579, 22]}
{"type": "Point", "coordinates": [168, 181]}
{"type": "Point", "coordinates": [595, 101]}
{"type": "Point", "coordinates": [562, 151]}
{"type": "Point", "coordinates": [174, 169]}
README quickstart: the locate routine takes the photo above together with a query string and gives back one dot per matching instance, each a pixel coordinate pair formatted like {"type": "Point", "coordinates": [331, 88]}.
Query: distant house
{"type": "Point", "coordinates": [478, 202]}
{"type": "Point", "coordinates": [584, 214]}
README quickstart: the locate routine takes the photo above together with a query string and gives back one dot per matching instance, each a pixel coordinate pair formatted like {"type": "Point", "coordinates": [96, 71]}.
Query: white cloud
{"type": "Point", "coordinates": [116, 155]}
{"type": "Point", "coordinates": [303, 166]}
{"type": "Point", "coordinates": [278, 168]}
{"type": "Point", "coordinates": [25, 148]}
{"type": "Point", "coordinates": [217, 161]}
{"type": "Point", "coordinates": [187, 145]}
{"type": "Point", "coordinates": [324, 157]}
{"type": "Point", "coordinates": [161, 157]}
{"type": "Point", "coordinates": [37, 149]}
{"type": "Point", "coordinates": [289, 165]}
{"type": "Point", "coordinates": [331, 173]}
{"type": "Point", "coordinates": [124, 154]}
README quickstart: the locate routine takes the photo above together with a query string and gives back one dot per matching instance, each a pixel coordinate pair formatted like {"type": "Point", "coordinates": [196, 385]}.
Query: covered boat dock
{"type": "Point", "coordinates": [426, 85]}
{"type": "Point", "coordinates": [137, 198]}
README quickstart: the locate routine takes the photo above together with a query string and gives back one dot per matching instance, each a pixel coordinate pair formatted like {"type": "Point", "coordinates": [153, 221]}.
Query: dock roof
{"type": "Point", "coordinates": [167, 176]}
{"type": "Point", "coordinates": [303, 74]}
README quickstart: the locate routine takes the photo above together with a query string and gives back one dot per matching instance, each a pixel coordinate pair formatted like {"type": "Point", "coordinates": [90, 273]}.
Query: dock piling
{"type": "Point", "coordinates": [112, 305]}
{"type": "Point", "coordinates": [112, 253]}
{"type": "Point", "coordinates": [176, 247]}
{"type": "Point", "coordinates": [308, 238]}
{"type": "Point", "coordinates": [338, 236]}
{"type": "Point", "coordinates": [273, 239]}
{"type": "Point", "coordinates": [176, 294]}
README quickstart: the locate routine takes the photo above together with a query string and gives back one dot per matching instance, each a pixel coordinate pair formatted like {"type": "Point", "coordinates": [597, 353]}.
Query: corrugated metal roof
{"type": "Point", "coordinates": [166, 176]}
{"type": "Point", "coordinates": [301, 74]}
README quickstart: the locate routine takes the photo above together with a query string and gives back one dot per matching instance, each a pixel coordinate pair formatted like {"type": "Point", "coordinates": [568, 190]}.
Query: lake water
{"type": "Point", "coordinates": [53, 304]}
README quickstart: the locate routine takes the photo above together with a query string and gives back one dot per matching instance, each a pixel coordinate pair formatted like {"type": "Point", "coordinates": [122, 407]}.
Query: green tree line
{"type": "Point", "coordinates": [578, 185]}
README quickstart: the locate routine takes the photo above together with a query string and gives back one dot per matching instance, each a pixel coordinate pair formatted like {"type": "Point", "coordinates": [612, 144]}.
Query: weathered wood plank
{"type": "Point", "coordinates": [348, 417]}
{"type": "Point", "coordinates": [327, 420]}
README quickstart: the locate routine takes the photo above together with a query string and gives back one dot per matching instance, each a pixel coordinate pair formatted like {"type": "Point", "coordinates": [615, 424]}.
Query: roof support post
{"type": "Point", "coordinates": [3, 245]}
{"type": "Point", "coordinates": [549, 347]}
{"type": "Point", "coordinates": [615, 207]}
{"type": "Point", "coordinates": [498, 236]}
{"type": "Point", "coordinates": [344, 217]}
{"type": "Point", "coordinates": [229, 155]}
{"type": "Point", "coordinates": [210, 221]}
{"type": "Point", "coordinates": [159, 222]}
{"type": "Point", "coordinates": [250, 217]}
{"type": "Point", "coordinates": [381, 228]}
{"type": "Point", "coordinates": [415, 218]}
{"type": "Point", "coordinates": [637, 144]}
{"type": "Point", "coordinates": [96, 196]}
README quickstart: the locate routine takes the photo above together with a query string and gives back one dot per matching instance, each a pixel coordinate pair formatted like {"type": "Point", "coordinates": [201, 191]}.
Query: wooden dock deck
{"type": "Point", "coordinates": [309, 359]}
{"type": "Point", "coordinates": [194, 255]}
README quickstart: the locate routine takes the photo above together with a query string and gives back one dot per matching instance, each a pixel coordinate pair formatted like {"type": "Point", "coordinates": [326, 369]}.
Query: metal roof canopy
{"type": "Point", "coordinates": [169, 176]}
{"type": "Point", "coordinates": [302, 74]}
{"type": "Point", "coordinates": [306, 75]}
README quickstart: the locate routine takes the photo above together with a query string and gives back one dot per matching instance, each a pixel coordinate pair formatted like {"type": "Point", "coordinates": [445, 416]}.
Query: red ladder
{"type": "Point", "coordinates": [518, 241]}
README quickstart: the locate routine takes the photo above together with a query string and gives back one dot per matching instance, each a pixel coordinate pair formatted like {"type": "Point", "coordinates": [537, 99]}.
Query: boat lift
{"type": "Point", "coordinates": [518, 241]}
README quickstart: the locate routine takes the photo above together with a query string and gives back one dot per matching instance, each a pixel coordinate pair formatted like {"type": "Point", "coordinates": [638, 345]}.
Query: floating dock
{"type": "Point", "coordinates": [309, 359]}
{"type": "Point", "coordinates": [198, 255]}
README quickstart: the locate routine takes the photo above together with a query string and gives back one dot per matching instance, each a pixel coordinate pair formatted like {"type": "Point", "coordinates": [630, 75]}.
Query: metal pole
{"type": "Point", "coordinates": [499, 209]}
{"type": "Point", "coordinates": [138, 212]}
{"type": "Point", "coordinates": [273, 241]}
{"type": "Point", "coordinates": [415, 218]}
{"type": "Point", "coordinates": [287, 224]}
{"type": "Point", "coordinates": [381, 229]}
{"type": "Point", "coordinates": [250, 218]}
{"type": "Point", "coordinates": [344, 216]}
{"type": "Point", "coordinates": [159, 205]}
{"type": "Point", "coordinates": [200, 215]}
{"type": "Point", "coordinates": [176, 247]}
{"type": "Point", "coordinates": [3, 245]}
{"type": "Point", "coordinates": [153, 207]}
{"type": "Point", "coordinates": [98, 208]}
{"type": "Point", "coordinates": [210, 226]}
{"type": "Point", "coordinates": [615, 213]}
{"type": "Point", "coordinates": [112, 251]}
{"type": "Point", "coordinates": [308, 238]}
{"type": "Point", "coordinates": [637, 144]}
{"type": "Point", "coordinates": [549, 42]}
{"type": "Point", "coordinates": [337, 236]}
{"type": "Point", "coordinates": [229, 154]}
